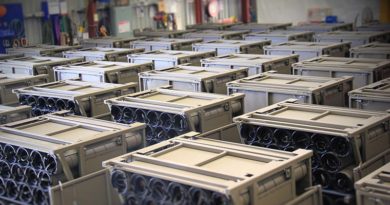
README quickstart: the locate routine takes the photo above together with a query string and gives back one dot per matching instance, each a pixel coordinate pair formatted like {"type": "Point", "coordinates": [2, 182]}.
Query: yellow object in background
{"type": "Point", "coordinates": [384, 15]}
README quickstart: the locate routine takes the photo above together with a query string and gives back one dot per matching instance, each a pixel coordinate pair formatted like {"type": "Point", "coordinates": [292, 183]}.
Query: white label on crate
{"type": "Point", "coordinates": [123, 26]}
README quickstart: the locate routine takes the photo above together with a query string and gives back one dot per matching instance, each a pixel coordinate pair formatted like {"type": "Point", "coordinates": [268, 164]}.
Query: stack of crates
{"type": "Point", "coordinates": [372, 50]}
{"type": "Point", "coordinates": [149, 33]}
{"type": "Point", "coordinates": [213, 35]}
{"type": "Point", "coordinates": [163, 59]}
{"type": "Point", "coordinates": [53, 159]}
{"type": "Point", "coordinates": [212, 26]}
{"type": "Point", "coordinates": [221, 173]}
{"type": "Point", "coordinates": [103, 54]}
{"type": "Point", "coordinates": [102, 71]}
{"type": "Point", "coordinates": [307, 50]}
{"type": "Point", "coordinates": [81, 98]}
{"type": "Point", "coordinates": [154, 44]}
{"type": "Point", "coordinates": [260, 27]}
{"type": "Point", "coordinates": [169, 113]}
{"type": "Point", "coordinates": [192, 78]}
{"type": "Point", "coordinates": [343, 140]}
{"type": "Point", "coordinates": [9, 82]}
{"type": "Point", "coordinates": [281, 36]}
{"type": "Point", "coordinates": [323, 27]}
{"type": "Point", "coordinates": [268, 88]}
{"type": "Point", "coordinates": [35, 65]}
{"type": "Point", "coordinates": [42, 50]}
{"type": "Point", "coordinates": [375, 96]}
{"type": "Point", "coordinates": [363, 70]}
{"type": "Point", "coordinates": [108, 42]}
{"type": "Point", "coordinates": [255, 63]}
{"type": "Point", "coordinates": [357, 38]}
{"type": "Point", "coordinates": [225, 47]}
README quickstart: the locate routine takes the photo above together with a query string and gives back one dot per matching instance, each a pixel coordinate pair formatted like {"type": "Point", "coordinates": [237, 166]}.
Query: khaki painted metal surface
{"type": "Point", "coordinates": [169, 113]}
{"type": "Point", "coordinates": [264, 176]}
{"type": "Point", "coordinates": [372, 50]}
{"type": "Point", "coordinates": [82, 98]}
{"type": "Point", "coordinates": [8, 82]}
{"type": "Point", "coordinates": [161, 33]}
{"type": "Point", "coordinates": [356, 38]}
{"type": "Point", "coordinates": [163, 59]}
{"type": "Point", "coordinates": [35, 65]}
{"type": "Point", "coordinates": [323, 27]}
{"type": "Point", "coordinates": [375, 96]}
{"type": "Point", "coordinates": [192, 78]}
{"type": "Point", "coordinates": [225, 47]}
{"type": "Point", "coordinates": [102, 71]}
{"type": "Point", "coordinates": [313, 196]}
{"type": "Point", "coordinates": [214, 26]}
{"type": "Point", "coordinates": [14, 113]}
{"type": "Point", "coordinates": [258, 27]}
{"type": "Point", "coordinates": [41, 50]}
{"type": "Point", "coordinates": [346, 142]}
{"type": "Point", "coordinates": [72, 146]}
{"type": "Point", "coordinates": [108, 41]}
{"type": "Point", "coordinates": [102, 54]}
{"type": "Point", "coordinates": [9, 56]}
{"type": "Point", "coordinates": [256, 63]}
{"type": "Point", "coordinates": [364, 70]}
{"type": "Point", "coordinates": [307, 50]}
{"type": "Point", "coordinates": [374, 188]}
{"type": "Point", "coordinates": [227, 133]}
{"type": "Point", "coordinates": [281, 36]}
{"type": "Point", "coordinates": [213, 35]}
{"type": "Point", "coordinates": [154, 44]}
{"type": "Point", "coordinates": [268, 88]}
{"type": "Point", "coordinates": [94, 188]}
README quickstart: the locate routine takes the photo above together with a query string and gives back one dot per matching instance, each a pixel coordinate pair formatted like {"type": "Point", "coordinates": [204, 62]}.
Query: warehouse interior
{"type": "Point", "coordinates": [194, 102]}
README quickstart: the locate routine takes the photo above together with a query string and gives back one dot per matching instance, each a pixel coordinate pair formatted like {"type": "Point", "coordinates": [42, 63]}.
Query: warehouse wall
{"type": "Point", "coordinates": [296, 10]}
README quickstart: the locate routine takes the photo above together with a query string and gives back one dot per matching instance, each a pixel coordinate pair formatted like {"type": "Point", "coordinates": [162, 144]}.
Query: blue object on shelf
{"type": "Point", "coordinates": [11, 26]}
{"type": "Point", "coordinates": [331, 19]}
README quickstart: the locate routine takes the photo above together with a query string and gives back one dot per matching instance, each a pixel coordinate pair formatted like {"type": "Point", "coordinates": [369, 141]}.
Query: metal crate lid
{"type": "Point", "coordinates": [260, 26]}
{"type": "Point", "coordinates": [351, 34]}
{"type": "Point", "coordinates": [110, 39]}
{"type": "Point", "coordinates": [231, 43]}
{"type": "Point", "coordinates": [304, 45]}
{"type": "Point", "coordinates": [99, 66]}
{"type": "Point", "coordinates": [39, 60]}
{"type": "Point", "coordinates": [102, 51]}
{"type": "Point", "coordinates": [72, 89]}
{"type": "Point", "coordinates": [203, 33]}
{"type": "Point", "coordinates": [7, 109]}
{"type": "Point", "coordinates": [190, 73]}
{"type": "Point", "coordinates": [167, 41]}
{"type": "Point", "coordinates": [372, 48]}
{"type": "Point", "coordinates": [42, 49]}
{"type": "Point", "coordinates": [287, 83]}
{"type": "Point", "coordinates": [54, 133]}
{"type": "Point", "coordinates": [169, 54]}
{"type": "Point", "coordinates": [280, 33]}
{"type": "Point", "coordinates": [344, 64]}
{"type": "Point", "coordinates": [215, 165]}
{"type": "Point", "coordinates": [380, 89]}
{"type": "Point", "coordinates": [330, 120]}
{"type": "Point", "coordinates": [15, 78]}
{"type": "Point", "coordinates": [376, 184]}
{"type": "Point", "coordinates": [174, 101]}
{"type": "Point", "coordinates": [246, 59]}
{"type": "Point", "coordinates": [9, 56]}
{"type": "Point", "coordinates": [322, 26]}
{"type": "Point", "coordinates": [220, 26]}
